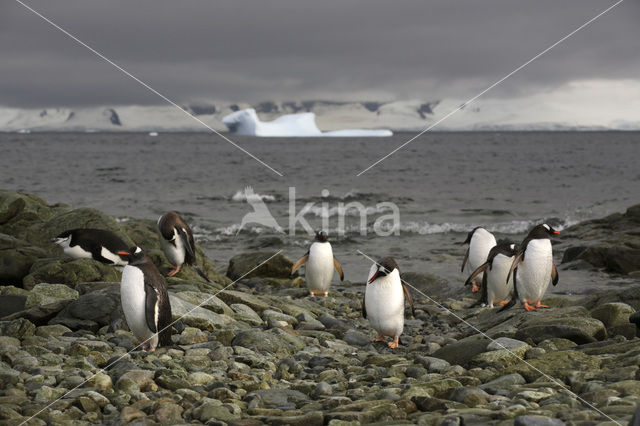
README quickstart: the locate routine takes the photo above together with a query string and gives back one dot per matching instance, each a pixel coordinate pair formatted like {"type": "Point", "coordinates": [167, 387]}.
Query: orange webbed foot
{"type": "Point", "coordinates": [474, 288]}
{"type": "Point", "coordinates": [174, 271]}
{"type": "Point", "coordinates": [503, 303]}
{"type": "Point", "coordinates": [528, 307]}
{"type": "Point", "coordinates": [312, 294]}
{"type": "Point", "coordinates": [540, 305]}
{"type": "Point", "coordinates": [326, 294]}
{"type": "Point", "coordinates": [393, 344]}
{"type": "Point", "coordinates": [380, 338]}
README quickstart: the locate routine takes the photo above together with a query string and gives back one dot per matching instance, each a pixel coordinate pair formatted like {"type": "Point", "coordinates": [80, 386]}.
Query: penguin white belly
{"type": "Point", "coordinates": [497, 287]}
{"type": "Point", "coordinates": [319, 268]}
{"type": "Point", "coordinates": [479, 247]}
{"type": "Point", "coordinates": [117, 260]}
{"type": "Point", "coordinates": [78, 252]}
{"type": "Point", "coordinates": [175, 254]}
{"type": "Point", "coordinates": [534, 272]}
{"type": "Point", "coordinates": [133, 299]}
{"type": "Point", "coordinates": [384, 301]}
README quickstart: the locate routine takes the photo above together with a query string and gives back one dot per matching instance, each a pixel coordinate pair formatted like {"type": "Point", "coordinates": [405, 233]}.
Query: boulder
{"type": "Point", "coordinates": [462, 351]}
{"type": "Point", "coordinates": [284, 399]}
{"type": "Point", "coordinates": [242, 266]}
{"type": "Point", "coordinates": [577, 329]}
{"type": "Point", "coordinates": [19, 211]}
{"type": "Point", "coordinates": [92, 310]}
{"type": "Point", "coordinates": [16, 258]}
{"type": "Point", "coordinates": [612, 314]}
{"type": "Point", "coordinates": [44, 294]}
{"type": "Point", "coordinates": [196, 316]}
{"type": "Point", "coordinates": [70, 272]}
{"type": "Point", "coordinates": [273, 341]}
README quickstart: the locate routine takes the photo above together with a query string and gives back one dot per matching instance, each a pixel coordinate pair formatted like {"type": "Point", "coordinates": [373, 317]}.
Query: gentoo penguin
{"type": "Point", "coordinates": [495, 286]}
{"type": "Point", "coordinates": [177, 243]}
{"type": "Point", "coordinates": [533, 268]}
{"type": "Point", "coordinates": [383, 301]}
{"type": "Point", "coordinates": [320, 263]}
{"type": "Point", "coordinates": [480, 242]}
{"type": "Point", "coordinates": [96, 244]}
{"type": "Point", "coordinates": [145, 301]}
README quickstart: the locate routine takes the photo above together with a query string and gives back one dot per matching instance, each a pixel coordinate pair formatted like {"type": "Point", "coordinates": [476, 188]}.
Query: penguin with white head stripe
{"type": "Point", "coordinates": [480, 243]}
{"type": "Point", "coordinates": [383, 303]}
{"type": "Point", "coordinates": [145, 300]}
{"type": "Point", "coordinates": [533, 268]}
{"type": "Point", "coordinates": [496, 288]}
{"type": "Point", "coordinates": [88, 243]}
{"type": "Point", "coordinates": [178, 243]}
{"type": "Point", "coordinates": [320, 265]}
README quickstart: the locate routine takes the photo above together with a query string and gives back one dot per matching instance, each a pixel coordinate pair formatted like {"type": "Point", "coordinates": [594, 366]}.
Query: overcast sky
{"type": "Point", "coordinates": [251, 51]}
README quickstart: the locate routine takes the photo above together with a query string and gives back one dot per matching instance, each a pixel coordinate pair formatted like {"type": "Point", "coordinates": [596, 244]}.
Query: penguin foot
{"type": "Point", "coordinates": [474, 288]}
{"type": "Point", "coordinates": [380, 338]}
{"type": "Point", "coordinates": [539, 305]}
{"type": "Point", "coordinates": [326, 294]}
{"type": "Point", "coordinates": [503, 303]}
{"type": "Point", "coordinates": [393, 344]}
{"type": "Point", "coordinates": [312, 294]}
{"type": "Point", "coordinates": [528, 307]}
{"type": "Point", "coordinates": [174, 271]}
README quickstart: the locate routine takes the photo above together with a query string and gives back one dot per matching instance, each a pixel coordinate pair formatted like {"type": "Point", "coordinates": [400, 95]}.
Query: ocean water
{"type": "Point", "coordinates": [442, 184]}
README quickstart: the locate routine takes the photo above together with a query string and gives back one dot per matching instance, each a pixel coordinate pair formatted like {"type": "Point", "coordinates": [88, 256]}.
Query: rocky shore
{"type": "Point", "coordinates": [263, 352]}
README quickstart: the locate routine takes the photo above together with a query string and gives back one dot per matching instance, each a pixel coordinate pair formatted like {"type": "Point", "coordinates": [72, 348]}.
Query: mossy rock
{"type": "Point", "coordinates": [19, 211]}
{"type": "Point", "coordinates": [16, 258]}
{"type": "Point", "coordinates": [273, 341]}
{"type": "Point", "coordinates": [69, 272]}
{"type": "Point", "coordinates": [242, 265]}
{"type": "Point", "coordinates": [40, 233]}
{"type": "Point", "coordinates": [43, 294]}
{"type": "Point", "coordinates": [559, 365]}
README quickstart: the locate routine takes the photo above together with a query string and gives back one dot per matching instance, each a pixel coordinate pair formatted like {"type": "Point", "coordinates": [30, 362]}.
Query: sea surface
{"type": "Point", "coordinates": [440, 186]}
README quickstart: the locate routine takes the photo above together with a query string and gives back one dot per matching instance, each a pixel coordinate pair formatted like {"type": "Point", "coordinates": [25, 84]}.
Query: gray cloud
{"type": "Point", "coordinates": [244, 51]}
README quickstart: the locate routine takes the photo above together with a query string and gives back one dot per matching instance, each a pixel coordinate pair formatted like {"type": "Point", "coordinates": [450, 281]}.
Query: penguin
{"type": "Point", "coordinates": [145, 301]}
{"type": "Point", "coordinates": [480, 242]}
{"type": "Point", "coordinates": [320, 264]}
{"type": "Point", "coordinates": [178, 243]}
{"type": "Point", "coordinates": [533, 268]}
{"type": "Point", "coordinates": [495, 286]}
{"type": "Point", "coordinates": [96, 244]}
{"type": "Point", "coordinates": [383, 303]}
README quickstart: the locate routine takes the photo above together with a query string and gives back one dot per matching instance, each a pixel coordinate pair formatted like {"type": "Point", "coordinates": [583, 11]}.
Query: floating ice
{"type": "Point", "coordinates": [246, 122]}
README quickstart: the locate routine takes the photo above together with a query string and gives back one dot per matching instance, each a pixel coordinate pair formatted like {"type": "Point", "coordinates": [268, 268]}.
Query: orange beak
{"type": "Point", "coordinates": [373, 278]}
{"type": "Point", "coordinates": [556, 232]}
{"type": "Point", "coordinates": [124, 253]}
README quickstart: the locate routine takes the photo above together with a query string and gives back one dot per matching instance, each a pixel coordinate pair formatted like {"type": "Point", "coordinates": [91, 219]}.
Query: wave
{"type": "Point", "coordinates": [241, 195]}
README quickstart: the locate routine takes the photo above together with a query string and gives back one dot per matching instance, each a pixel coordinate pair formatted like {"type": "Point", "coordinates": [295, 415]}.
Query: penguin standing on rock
{"type": "Point", "coordinates": [320, 264]}
{"type": "Point", "coordinates": [533, 268]}
{"type": "Point", "coordinates": [480, 242]}
{"type": "Point", "coordinates": [96, 244]}
{"type": "Point", "coordinates": [145, 301]}
{"type": "Point", "coordinates": [178, 243]}
{"type": "Point", "coordinates": [495, 286]}
{"type": "Point", "coordinates": [383, 303]}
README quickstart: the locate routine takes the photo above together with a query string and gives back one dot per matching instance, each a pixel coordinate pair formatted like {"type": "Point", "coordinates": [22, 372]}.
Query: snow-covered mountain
{"type": "Point", "coordinates": [580, 105]}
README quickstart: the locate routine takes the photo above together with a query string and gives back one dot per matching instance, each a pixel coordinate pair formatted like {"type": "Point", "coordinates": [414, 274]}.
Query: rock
{"type": "Point", "coordinates": [556, 364]}
{"type": "Point", "coordinates": [206, 301]}
{"type": "Point", "coordinates": [500, 358]}
{"type": "Point", "coordinates": [284, 399]}
{"type": "Point", "coordinates": [142, 379]}
{"type": "Point", "coordinates": [195, 316]}
{"type": "Point", "coordinates": [168, 413]}
{"type": "Point", "coordinates": [537, 421]}
{"type": "Point", "coordinates": [503, 382]}
{"type": "Point", "coordinates": [313, 418]}
{"type": "Point", "coordinates": [232, 297]}
{"type": "Point", "coordinates": [171, 379]}
{"type": "Point", "coordinates": [505, 343]}
{"type": "Point", "coordinates": [322, 389]}
{"type": "Point", "coordinates": [70, 272]}
{"type": "Point", "coordinates": [16, 259]}
{"type": "Point", "coordinates": [18, 211]}
{"type": "Point", "coordinates": [463, 351]}
{"type": "Point", "coordinates": [470, 396]}
{"type": "Point", "coordinates": [52, 330]}
{"type": "Point", "coordinates": [354, 338]}
{"type": "Point", "coordinates": [432, 284]}
{"type": "Point", "coordinates": [212, 409]}
{"type": "Point", "coordinates": [92, 310]}
{"type": "Point", "coordinates": [11, 303]}
{"type": "Point", "coordinates": [277, 267]}
{"type": "Point", "coordinates": [19, 328]}
{"type": "Point", "coordinates": [269, 314]}
{"type": "Point", "coordinates": [274, 341]}
{"type": "Point", "coordinates": [40, 315]}
{"type": "Point", "coordinates": [612, 314]}
{"type": "Point", "coordinates": [44, 294]}
{"type": "Point", "coordinates": [573, 326]}
{"type": "Point", "coordinates": [437, 388]}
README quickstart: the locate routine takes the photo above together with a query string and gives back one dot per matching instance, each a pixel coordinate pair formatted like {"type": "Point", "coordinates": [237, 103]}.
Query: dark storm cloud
{"type": "Point", "coordinates": [250, 51]}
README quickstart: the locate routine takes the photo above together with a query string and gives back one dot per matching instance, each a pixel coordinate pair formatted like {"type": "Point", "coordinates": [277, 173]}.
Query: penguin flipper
{"type": "Point", "coordinates": [364, 307]}
{"type": "Point", "coordinates": [407, 295]}
{"type": "Point", "coordinates": [464, 262]}
{"type": "Point", "coordinates": [201, 272]}
{"type": "Point", "coordinates": [477, 272]}
{"type": "Point", "coordinates": [517, 260]}
{"type": "Point", "coordinates": [151, 309]}
{"type": "Point", "coordinates": [189, 245]}
{"type": "Point", "coordinates": [554, 274]}
{"type": "Point", "coordinates": [299, 262]}
{"type": "Point", "coordinates": [164, 320]}
{"type": "Point", "coordinates": [338, 267]}
{"type": "Point", "coordinates": [484, 298]}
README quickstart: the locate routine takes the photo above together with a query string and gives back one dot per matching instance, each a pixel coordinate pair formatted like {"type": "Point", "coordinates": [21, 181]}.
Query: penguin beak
{"type": "Point", "coordinates": [124, 253]}
{"type": "Point", "coordinates": [373, 278]}
{"type": "Point", "coordinates": [556, 232]}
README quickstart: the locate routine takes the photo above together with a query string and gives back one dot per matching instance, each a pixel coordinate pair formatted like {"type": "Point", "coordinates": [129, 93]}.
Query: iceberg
{"type": "Point", "coordinates": [246, 122]}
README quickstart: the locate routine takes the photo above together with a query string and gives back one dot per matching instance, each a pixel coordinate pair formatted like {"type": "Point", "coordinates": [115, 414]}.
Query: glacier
{"type": "Point", "coordinates": [246, 122]}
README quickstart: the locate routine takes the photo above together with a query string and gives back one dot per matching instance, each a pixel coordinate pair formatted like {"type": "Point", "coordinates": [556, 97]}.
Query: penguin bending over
{"type": "Point", "coordinates": [145, 301]}
{"type": "Point", "coordinates": [495, 286]}
{"type": "Point", "coordinates": [533, 268]}
{"type": "Point", "coordinates": [88, 243]}
{"type": "Point", "coordinates": [178, 243]}
{"type": "Point", "coordinates": [320, 264]}
{"type": "Point", "coordinates": [480, 242]}
{"type": "Point", "coordinates": [383, 303]}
